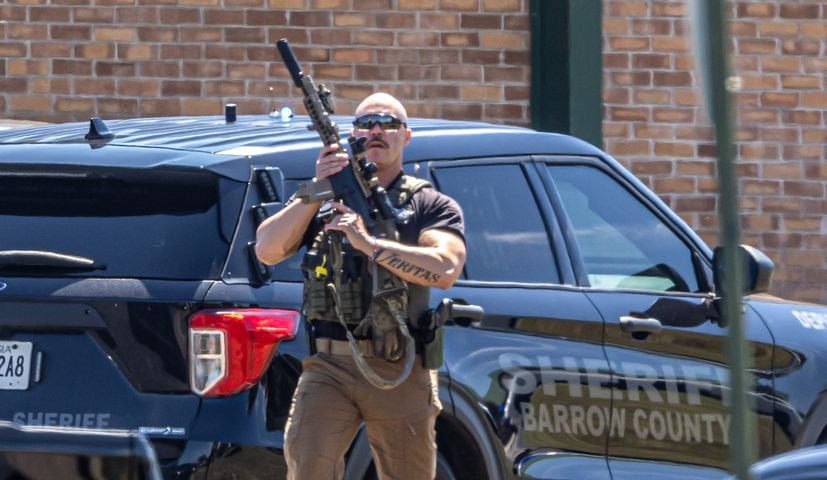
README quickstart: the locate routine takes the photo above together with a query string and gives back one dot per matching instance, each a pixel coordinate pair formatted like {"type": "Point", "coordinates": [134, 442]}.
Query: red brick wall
{"type": "Point", "coordinates": [654, 124]}
{"type": "Point", "coordinates": [69, 59]}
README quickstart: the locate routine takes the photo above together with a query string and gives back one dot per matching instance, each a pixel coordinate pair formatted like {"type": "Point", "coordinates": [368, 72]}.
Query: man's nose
{"type": "Point", "coordinates": [376, 129]}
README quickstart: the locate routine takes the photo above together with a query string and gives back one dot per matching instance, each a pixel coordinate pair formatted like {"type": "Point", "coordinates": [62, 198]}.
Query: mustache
{"type": "Point", "coordinates": [376, 141]}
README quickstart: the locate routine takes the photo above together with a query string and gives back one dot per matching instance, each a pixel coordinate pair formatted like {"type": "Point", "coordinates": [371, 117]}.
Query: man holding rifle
{"type": "Point", "coordinates": [334, 394]}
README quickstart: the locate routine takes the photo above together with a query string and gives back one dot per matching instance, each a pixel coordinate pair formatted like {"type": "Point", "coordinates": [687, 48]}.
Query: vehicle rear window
{"type": "Point", "coordinates": [154, 223]}
{"type": "Point", "coordinates": [506, 238]}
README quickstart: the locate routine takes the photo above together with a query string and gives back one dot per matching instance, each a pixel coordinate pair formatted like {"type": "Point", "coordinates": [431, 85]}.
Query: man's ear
{"type": "Point", "coordinates": [408, 133]}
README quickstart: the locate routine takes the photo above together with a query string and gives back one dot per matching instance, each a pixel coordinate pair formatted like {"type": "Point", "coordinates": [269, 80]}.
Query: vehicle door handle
{"type": "Point", "coordinates": [456, 311]}
{"type": "Point", "coordinates": [640, 325]}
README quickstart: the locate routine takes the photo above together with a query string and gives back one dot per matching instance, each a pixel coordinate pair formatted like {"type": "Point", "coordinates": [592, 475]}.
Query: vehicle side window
{"type": "Point", "coordinates": [624, 245]}
{"type": "Point", "coordinates": [506, 238]}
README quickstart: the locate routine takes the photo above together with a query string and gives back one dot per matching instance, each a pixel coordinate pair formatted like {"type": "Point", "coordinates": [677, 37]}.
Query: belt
{"type": "Point", "coordinates": [332, 330]}
{"type": "Point", "coordinates": [341, 347]}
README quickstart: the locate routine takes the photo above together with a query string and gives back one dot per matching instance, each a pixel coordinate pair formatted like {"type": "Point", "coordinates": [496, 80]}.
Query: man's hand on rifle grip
{"type": "Point", "coordinates": [330, 161]}
{"type": "Point", "coordinates": [351, 225]}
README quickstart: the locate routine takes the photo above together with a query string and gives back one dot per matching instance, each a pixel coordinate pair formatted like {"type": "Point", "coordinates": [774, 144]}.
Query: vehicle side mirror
{"type": "Point", "coordinates": [756, 266]}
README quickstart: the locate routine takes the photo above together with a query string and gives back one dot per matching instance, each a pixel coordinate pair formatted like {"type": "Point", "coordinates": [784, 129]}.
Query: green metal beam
{"type": "Point", "coordinates": [566, 68]}
{"type": "Point", "coordinates": [549, 65]}
{"type": "Point", "coordinates": [711, 39]}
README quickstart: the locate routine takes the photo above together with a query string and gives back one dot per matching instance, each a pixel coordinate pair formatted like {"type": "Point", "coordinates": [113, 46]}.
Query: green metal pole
{"type": "Point", "coordinates": [712, 40]}
{"type": "Point", "coordinates": [567, 68]}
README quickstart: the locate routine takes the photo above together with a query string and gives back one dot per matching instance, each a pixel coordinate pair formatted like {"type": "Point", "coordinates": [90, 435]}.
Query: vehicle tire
{"type": "Point", "coordinates": [443, 468]}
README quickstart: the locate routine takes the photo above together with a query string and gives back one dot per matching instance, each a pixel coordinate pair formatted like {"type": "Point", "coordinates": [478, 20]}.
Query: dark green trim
{"type": "Point", "coordinates": [549, 65]}
{"type": "Point", "coordinates": [567, 68]}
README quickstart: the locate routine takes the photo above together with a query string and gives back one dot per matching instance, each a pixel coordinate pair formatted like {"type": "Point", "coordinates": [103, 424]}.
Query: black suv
{"type": "Point", "coordinates": [130, 299]}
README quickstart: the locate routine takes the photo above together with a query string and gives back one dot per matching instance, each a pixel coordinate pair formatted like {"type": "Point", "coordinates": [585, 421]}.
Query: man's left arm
{"type": "Point", "coordinates": [435, 261]}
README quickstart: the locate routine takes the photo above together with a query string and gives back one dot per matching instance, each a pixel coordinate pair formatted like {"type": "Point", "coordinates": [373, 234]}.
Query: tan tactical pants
{"type": "Point", "coordinates": [333, 399]}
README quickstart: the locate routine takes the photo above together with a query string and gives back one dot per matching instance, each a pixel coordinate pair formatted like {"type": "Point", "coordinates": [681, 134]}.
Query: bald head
{"type": "Point", "coordinates": [383, 143]}
{"type": "Point", "coordinates": [382, 103]}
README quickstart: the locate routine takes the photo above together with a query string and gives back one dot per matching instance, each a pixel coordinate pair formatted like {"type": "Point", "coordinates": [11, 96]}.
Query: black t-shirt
{"type": "Point", "coordinates": [431, 209]}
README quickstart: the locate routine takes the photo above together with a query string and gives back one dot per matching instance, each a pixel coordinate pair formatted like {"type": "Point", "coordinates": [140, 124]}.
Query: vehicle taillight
{"type": "Point", "coordinates": [230, 348]}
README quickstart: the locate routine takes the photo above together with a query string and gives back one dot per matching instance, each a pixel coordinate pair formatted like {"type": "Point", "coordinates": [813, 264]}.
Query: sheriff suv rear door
{"type": "Point", "coordinates": [536, 361]}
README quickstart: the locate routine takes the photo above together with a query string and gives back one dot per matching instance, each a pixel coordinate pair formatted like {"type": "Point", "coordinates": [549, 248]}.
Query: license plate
{"type": "Point", "coordinates": [15, 365]}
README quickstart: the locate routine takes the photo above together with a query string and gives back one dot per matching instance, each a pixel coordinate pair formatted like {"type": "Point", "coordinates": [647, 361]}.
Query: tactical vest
{"type": "Point", "coordinates": [355, 282]}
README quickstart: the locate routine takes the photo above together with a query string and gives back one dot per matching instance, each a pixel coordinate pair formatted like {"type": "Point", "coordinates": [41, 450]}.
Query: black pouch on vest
{"type": "Point", "coordinates": [317, 269]}
{"type": "Point", "coordinates": [432, 352]}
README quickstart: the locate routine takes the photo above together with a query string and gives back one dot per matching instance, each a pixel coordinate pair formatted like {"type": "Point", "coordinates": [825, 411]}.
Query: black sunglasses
{"type": "Point", "coordinates": [385, 122]}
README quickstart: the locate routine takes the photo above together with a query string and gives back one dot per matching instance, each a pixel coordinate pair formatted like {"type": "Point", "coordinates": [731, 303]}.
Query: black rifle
{"type": "Point", "coordinates": [356, 185]}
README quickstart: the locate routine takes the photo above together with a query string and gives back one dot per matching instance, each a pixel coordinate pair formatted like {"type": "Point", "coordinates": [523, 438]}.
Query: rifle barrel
{"type": "Point", "coordinates": [290, 61]}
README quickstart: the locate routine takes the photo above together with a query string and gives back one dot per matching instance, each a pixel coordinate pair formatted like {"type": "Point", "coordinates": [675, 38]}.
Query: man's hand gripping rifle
{"type": "Point", "coordinates": [357, 187]}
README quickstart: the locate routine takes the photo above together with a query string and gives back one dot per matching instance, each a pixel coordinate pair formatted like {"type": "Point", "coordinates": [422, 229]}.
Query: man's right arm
{"type": "Point", "coordinates": [280, 236]}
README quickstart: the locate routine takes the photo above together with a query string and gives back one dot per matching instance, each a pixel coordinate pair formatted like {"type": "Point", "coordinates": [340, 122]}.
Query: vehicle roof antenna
{"type": "Point", "coordinates": [98, 130]}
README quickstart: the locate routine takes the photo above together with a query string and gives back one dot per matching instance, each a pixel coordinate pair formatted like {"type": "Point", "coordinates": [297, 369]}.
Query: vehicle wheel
{"type": "Point", "coordinates": [443, 468]}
